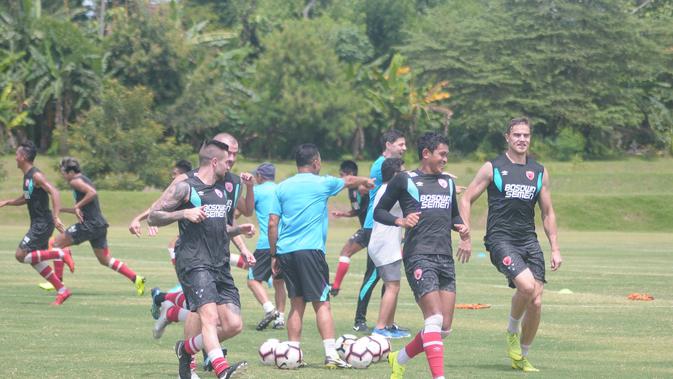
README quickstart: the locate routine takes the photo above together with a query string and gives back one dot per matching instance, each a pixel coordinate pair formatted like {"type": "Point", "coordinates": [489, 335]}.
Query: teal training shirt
{"type": "Point", "coordinates": [375, 174]}
{"type": "Point", "coordinates": [301, 203]}
{"type": "Point", "coordinates": [265, 194]}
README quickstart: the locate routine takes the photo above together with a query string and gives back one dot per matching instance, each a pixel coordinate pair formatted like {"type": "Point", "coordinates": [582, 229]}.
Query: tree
{"type": "Point", "coordinates": [555, 62]}
{"type": "Point", "coordinates": [303, 94]}
{"type": "Point", "coordinates": [120, 144]}
{"type": "Point", "coordinates": [385, 20]}
{"type": "Point", "coordinates": [64, 73]}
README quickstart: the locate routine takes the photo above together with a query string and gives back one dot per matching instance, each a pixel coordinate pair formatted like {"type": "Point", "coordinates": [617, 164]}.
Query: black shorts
{"type": "Point", "coordinates": [261, 271]}
{"type": "Point", "coordinates": [95, 234]}
{"type": "Point", "coordinates": [306, 274]}
{"type": "Point", "coordinates": [430, 272]}
{"type": "Point", "coordinates": [512, 259]}
{"type": "Point", "coordinates": [37, 237]}
{"type": "Point", "coordinates": [203, 286]}
{"type": "Point", "coordinates": [361, 237]}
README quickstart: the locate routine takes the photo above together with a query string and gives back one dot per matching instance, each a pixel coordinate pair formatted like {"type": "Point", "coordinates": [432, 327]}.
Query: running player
{"type": "Point", "coordinates": [297, 233]}
{"type": "Point", "coordinates": [385, 250]}
{"type": "Point", "coordinates": [394, 145]}
{"type": "Point", "coordinates": [265, 193]}
{"type": "Point", "coordinates": [33, 248]}
{"type": "Point", "coordinates": [515, 183]}
{"type": "Point", "coordinates": [427, 197]}
{"type": "Point", "coordinates": [92, 225]}
{"type": "Point", "coordinates": [199, 205]}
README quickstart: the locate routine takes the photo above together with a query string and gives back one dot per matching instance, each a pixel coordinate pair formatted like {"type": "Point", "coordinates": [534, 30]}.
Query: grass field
{"type": "Point", "coordinates": [104, 330]}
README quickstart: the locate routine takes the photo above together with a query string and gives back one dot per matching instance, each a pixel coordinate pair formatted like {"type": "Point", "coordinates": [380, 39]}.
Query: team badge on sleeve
{"type": "Point", "coordinates": [507, 260]}
{"type": "Point", "coordinates": [228, 186]}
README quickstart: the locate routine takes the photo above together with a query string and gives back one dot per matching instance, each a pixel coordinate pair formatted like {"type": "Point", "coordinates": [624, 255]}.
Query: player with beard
{"type": "Point", "coordinates": [199, 205]}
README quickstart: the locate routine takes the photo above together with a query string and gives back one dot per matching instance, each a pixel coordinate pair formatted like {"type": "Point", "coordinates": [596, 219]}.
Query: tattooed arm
{"type": "Point", "coordinates": [164, 212]}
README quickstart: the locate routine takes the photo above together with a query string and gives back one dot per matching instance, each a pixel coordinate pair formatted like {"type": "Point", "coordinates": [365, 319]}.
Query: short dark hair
{"type": "Point", "coordinates": [430, 141]}
{"type": "Point", "coordinates": [183, 165]}
{"type": "Point", "coordinates": [390, 167]}
{"type": "Point", "coordinates": [29, 150]}
{"type": "Point", "coordinates": [391, 136]}
{"type": "Point", "coordinates": [305, 154]}
{"type": "Point", "coordinates": [70, 164]}
{"type": "Point", "coordinates": [349, 167]}
{"type": "Point", "coordinates": [517, 121]}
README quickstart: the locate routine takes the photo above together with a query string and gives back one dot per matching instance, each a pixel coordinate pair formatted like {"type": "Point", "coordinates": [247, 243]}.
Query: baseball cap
{"type": "Point", "coordinates": [266, 170]}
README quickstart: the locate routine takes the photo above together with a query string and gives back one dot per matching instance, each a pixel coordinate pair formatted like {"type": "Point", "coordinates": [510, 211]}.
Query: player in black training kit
{"type": "Point", "coordinates": [33, 247]}
{"type": "Point", "coordinates": [515, 183]}
{"type": "Point", "coordinates": [92, 226]}
{"type": "Point", "coordinates": [199, 204]}
{"type": "Point", "coordinates": [427, 197]}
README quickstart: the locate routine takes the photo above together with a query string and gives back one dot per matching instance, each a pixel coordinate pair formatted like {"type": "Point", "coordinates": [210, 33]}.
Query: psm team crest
{"type": "Point", "coordinates": [443, 183]}
{"type": "Point", "coordinates": [530, 175]}
{"type": "Point", "coordinates": [228, 186]}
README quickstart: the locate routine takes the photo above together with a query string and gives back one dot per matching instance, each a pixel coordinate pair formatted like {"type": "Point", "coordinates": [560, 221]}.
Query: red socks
{"type": "Point", "coordinates": [48, 274]}
{"type": "Point", "coordinates": [38, 256]}
{"type": "Point", "coordinates": [434, 352]}
{"type": "Point", "coordinates": [121, 268]}
{"type": "Point", "coordinates": [415, 347]}
{"type": "Point", "coordinates": [177, 298]}
{"type": "Point", "coordinates": [58, 268]}
{"type": "Point", "coordinates": [342, 270]}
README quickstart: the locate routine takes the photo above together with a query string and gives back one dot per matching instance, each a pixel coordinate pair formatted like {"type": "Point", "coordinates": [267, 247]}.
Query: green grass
{"type": "Point", "coordinates": [104, 331]}
{"type": "Point", "coordinates": [626, 195]}
{"type": "Point", "coordinates": [615, 220]}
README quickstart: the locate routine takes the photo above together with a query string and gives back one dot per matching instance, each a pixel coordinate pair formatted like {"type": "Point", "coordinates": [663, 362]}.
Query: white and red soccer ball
{"type": "Point", "coordinates": [343, 343]}
{"type": "Point", "coordinates": [266, 351]}
{"type": "Point", "coordinates": [362, 353]}
{"type": "Point", "coordinates": [383, 347]}
{"type": "Point", "coordinates": [287, 356]}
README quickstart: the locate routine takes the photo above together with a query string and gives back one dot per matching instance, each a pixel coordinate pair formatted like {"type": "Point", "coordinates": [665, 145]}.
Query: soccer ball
{"type": "Point", "coordinates": [266, 351]}
{"type": "Point", "coordinates": [343, 343]}
{"type": "Point", "coordinates": [287, 356]}
{"type": "Point", "coordinates": [384, 347]}
{"type": "Point", "coordinates": [358, 355]}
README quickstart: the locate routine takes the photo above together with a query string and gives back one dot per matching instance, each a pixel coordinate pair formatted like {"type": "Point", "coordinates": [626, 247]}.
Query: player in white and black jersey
{"type": "Point", "coordinates": [427, 197]}
{"type": "Point", "coordinates": [516, 183]}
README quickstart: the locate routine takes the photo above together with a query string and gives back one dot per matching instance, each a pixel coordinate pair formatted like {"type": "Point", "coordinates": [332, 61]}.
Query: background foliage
{"type": "Point", "coordinates": [595, 76]}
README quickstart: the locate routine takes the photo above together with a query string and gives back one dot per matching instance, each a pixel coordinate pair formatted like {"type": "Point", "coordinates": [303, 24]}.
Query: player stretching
{"type": "Point", "coordinates": [427, 197]}
{"type": "Point", "coordinates": [394, 146]}
{"type": "Point", "coordinates": [92, 225]}
{"type": "Point", "coordinates": [265, 193]}
{"type": "Point", "coordinates": [199, 205]}
{"type": "Point", "coordinates": [297, 234]}
{"type": "Point", "coordinates": [515, 183]}
{"type": "Point", "coordinates": [33, 248]}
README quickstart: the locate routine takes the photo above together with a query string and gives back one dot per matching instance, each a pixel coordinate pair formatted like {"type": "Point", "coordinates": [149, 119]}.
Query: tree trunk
{"type": "Point", "coordinates": [308, 8]}
{"type": "Point", "coordinates": [101, 18]}
{"type": "Point", "coordinates": [62, 127]}
{"type": "Point", "coordinates": [358, 142]}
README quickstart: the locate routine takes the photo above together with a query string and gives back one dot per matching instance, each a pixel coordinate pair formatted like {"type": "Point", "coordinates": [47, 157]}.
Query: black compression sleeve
{"type": "Point", "coordinates": [390, 197]}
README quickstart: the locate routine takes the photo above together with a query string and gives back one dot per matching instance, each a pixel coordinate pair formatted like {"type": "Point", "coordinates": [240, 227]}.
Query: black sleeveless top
{"type": "Point", "coordinates": [37, 200]}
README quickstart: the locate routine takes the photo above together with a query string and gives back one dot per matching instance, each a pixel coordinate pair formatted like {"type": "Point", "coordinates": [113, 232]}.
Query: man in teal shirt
{"type": "Point", "coordinates": [297, 235]}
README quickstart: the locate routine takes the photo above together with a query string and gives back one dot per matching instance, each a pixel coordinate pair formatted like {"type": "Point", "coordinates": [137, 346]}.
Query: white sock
{"type": "Point", "coordinates": [268, 307]}
{"type": "Point", "coordinates": [524, 350]}
{"type": "Point", "coordinates": [281, 316]}
{"type": "Point", "coordinates": [344, 259]}
{"type": "Point", "coordinates": [330, 347]}
{"type": "Point", "coordinates": [402, 357]}
{"type": "Point", "coordinates": [513, 326]}
{"type": "Point", "coordinates": [182, 314]}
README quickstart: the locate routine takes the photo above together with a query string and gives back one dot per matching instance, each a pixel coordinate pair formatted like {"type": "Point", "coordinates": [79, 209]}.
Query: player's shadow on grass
{"type": "Point", "coordinates": [492, 367]}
